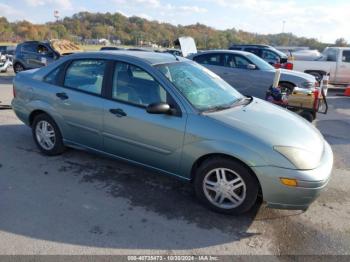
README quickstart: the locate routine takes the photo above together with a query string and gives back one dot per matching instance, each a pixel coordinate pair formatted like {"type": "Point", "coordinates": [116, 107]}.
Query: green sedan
{"type": "Point", "coordinates": [172, 115]}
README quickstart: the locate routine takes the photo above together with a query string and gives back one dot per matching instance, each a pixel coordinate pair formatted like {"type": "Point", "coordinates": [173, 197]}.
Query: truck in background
{"type": "Point", "coordinates": [334, 61]}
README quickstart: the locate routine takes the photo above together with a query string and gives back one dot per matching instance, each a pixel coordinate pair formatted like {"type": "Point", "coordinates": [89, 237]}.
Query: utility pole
{"type": "Point", "coordinates": [283, 24]}
{"type": "Point", "coordinates": [56, 14]}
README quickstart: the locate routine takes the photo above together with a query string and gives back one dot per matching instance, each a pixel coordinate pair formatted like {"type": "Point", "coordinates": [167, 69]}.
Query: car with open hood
{"type": "Point", "coordinates": [172, 115]}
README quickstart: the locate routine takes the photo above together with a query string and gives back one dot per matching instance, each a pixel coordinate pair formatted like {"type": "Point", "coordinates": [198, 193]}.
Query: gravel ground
{"type": "Point", "coordinates": [80, 203]}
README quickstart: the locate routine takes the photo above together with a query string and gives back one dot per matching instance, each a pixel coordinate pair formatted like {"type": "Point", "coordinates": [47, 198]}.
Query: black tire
{"type": "Point", "coordinates": [58, 146]}
{"type": "Point", "coordinates": [308, 116]}
{"type": "Point", "coordinates": [286, 87]}
{"type": "Point", "coordinates": [250, 180]}
{"type": "Point", "coordinates": [18, 67]}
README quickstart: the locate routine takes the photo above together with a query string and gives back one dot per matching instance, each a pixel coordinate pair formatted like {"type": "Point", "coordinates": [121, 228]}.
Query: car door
{"type": "Point", "coordinates": [79, 101]}
{"type": "Point", "coordinates": [343, 67]}
{"type": "Point", "coordinates": [237, 71]}
{"type": "Point", "coordinates": [44, 56]}
{"type": "Point", "coordinates": [130, 132]}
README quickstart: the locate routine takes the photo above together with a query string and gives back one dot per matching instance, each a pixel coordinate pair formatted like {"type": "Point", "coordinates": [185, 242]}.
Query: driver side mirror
{"type": "Point", "coordinates": [251, 67]}
{"type": "Point", "coordinates": [159, 108]}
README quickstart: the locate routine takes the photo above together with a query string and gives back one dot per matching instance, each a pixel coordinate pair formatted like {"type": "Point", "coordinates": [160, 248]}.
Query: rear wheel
{"type": "Point", "coordinates": [307, 115]}
{"type": "Point", "coordinates": [47, 135]}
{"type": "Point", "coordinates": [18, 67]}
{"type": "Point", "coordinates": [226, 186]}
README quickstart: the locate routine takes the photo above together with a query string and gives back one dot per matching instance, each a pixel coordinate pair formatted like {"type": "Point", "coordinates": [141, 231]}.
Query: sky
{"type": "Point", "coordinates": [321, 19]}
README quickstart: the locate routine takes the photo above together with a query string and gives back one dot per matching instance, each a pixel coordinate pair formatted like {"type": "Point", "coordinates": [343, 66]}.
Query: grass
{"type": "Point", "coordinates": [7, 43]}
{"type": "Point", "coordinates": [84, 47]}
{"type": "Point", "coordinates": [90, 47]}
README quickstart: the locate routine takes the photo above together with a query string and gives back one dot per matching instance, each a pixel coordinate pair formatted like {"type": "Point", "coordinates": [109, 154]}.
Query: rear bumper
{"type": "Point", "coordinates": [310, 183]}
{"type": "Point", "coordinates": [20, 111]}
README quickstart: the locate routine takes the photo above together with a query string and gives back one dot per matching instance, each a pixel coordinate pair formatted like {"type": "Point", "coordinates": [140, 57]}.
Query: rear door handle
{"type": "Point", "coordinates": [62, 96]}
{"type": "Point", "coordinates": [118, 112]}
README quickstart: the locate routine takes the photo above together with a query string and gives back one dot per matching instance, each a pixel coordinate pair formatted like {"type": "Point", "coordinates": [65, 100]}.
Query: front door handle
{"type": "Point", "coordinates": [118, 112]}
{"type": "Point", "coordinates": [62, 96]}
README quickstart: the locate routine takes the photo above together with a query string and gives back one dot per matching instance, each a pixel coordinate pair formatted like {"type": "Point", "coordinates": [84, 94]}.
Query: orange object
{"type": "Point", "coordinates": [347, 91]}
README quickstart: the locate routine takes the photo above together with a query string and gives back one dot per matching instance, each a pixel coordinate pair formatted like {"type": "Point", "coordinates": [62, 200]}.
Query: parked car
{"type": "Point", "coordinates": [306, 55]}
{"type": "Point", "coordinates": [250, 74]}
{"type": "Point", "coordinates": [173, 51]}
{"type": "Point", "coordinates": [7, 50]}
{"type": "Point", "coordinates": [270, 54]}
{"type": "Point", "coordinates": [35, 54]}
{"type": "Point", "coordinates": [110, 48]}
{"type": "Point", "coordinates": [172, 115]}
{"type": "Point", "coordinates": [334, 61]}
{"type": "Point", "coordinates": [5, 62]}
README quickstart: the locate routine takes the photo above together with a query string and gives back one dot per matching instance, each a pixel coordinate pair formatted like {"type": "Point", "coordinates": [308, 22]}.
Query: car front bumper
{"type": "Point", "coordinates": [309, 183]}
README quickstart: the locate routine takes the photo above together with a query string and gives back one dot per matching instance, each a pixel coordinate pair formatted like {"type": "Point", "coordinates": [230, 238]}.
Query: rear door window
{"type": "Point", "coordinates": [209, 59]}
{"type": "Point", "coordinates": [236, 61]}
{"type": "Point", "coordinates": [86, 75]}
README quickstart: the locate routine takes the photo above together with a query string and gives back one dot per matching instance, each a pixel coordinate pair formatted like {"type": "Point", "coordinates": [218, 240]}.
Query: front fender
{"type": "Point", "coordinates": [192, 152]}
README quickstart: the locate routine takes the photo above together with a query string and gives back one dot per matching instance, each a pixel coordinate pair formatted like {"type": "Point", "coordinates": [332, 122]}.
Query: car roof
{"type": "Point", "coordinates": [151, 58]}
{"type": "Point", "coordinates": [223, 52]}
{"type": "Point", "coordinates": [250, 45]}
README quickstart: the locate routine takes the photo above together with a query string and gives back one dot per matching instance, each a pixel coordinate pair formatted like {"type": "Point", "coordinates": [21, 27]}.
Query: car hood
{"type": "Point", "coordinates": [273, 125]}
{"type": "Point", "coordinates": [293, 73]}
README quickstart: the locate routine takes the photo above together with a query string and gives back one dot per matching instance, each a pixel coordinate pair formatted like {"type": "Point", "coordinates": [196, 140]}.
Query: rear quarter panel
{"type": "Point", "coordinates": [32, 95]}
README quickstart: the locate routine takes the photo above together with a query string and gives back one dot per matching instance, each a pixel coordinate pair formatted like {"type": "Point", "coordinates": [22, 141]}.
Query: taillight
{"type": "Point", "coordinates": [316, 97]}
{"type": "Point", "coordinates": [288, 66]}
{"type": "Point", "coordinates": [14, 91]}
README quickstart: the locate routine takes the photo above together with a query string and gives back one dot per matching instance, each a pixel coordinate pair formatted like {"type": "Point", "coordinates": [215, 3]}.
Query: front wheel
{"type": "Point", "coordinates": [47, 135]}
{"type": "Point", "coordinates": [226, 186]}
{"type": "Point", "coordinates": [18, 67]}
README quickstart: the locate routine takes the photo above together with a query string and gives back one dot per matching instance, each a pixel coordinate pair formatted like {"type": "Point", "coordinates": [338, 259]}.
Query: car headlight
{"type": "Point", "coordinates": [300, 158]}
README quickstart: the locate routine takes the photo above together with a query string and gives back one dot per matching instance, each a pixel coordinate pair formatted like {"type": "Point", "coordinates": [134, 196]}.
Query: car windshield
{"type": "Point", "coordinates": [201, 87]}
{"type": "Point", "coordinates": [260, 63]}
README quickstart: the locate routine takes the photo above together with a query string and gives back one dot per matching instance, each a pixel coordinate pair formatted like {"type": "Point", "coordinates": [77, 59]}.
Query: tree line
{"type": "Point", "coordinates": [132, 30]}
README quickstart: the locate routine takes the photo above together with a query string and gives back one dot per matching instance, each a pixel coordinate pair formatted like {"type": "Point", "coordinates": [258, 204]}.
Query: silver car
{"type": "Point", "coordinates": [248, 73]}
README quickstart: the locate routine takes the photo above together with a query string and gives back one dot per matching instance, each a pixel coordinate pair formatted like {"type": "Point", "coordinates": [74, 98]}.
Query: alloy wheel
{"type": "Point", "coordinates": [45, 135]}
{"type": "Point", "coordinates": [224, 188]}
